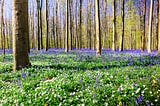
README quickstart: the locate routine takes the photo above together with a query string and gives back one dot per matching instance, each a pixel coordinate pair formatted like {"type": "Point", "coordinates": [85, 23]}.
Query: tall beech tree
{"type": "Point", "coordinates": [47, 26]}
{"type": "Point", "coordinates": [158, 27]}
{"type": "Point", "coordinates": [98, 34]}
{"type": "Point", "coordinates": [2, 27]}
{"type": "Point", "coordinates": [20, 34]}
{"type": "Point", "coordinates": [67, 29]}
{"type": "Point", "coordinates": [150, 26]}
{"type": "Point", "coordinates": [114, 26]}
{"type": "Point", "coordinates": [122, 36]}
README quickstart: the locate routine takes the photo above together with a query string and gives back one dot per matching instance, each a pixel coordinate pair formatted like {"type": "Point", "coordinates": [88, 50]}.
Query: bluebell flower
{"type": "Point", "coordinates": [147, 103]}
{"type": "Point", "coordinates": [139, 99]}
{"type": "Point", "coordinates": [23, 75]}
{"type": "Point", "coordinates": [80, 80]}
{"type": "Point", "coordinates": [19, 82]}
{"type": "Point", "coordinates": [94, 95]}
{"type": "Point", "coordinates": [158, 79]}
{"type": "Point", "coordinates": [127, 78]}
{"type": "Point", "coordinates": [97, 80]}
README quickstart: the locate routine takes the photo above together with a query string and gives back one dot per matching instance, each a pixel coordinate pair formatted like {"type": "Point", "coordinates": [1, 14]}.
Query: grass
{"type": "Point", "coordinates": [81, 78]}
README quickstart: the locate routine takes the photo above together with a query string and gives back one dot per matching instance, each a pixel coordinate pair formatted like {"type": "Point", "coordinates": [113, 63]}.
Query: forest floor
{"type": "Point", "coordinates": [57, 78]}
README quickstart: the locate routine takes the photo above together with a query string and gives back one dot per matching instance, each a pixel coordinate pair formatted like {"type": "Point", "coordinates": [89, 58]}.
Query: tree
{"type": "Point", "coordinates": [80, 25]}
{"type": "Point", "coordinates": [158, 27]}
{"type": "Point", "coordinates": [47, 30]}
{"type": "Point", "coordinates": [66, 41]}
{"type": "Point", "coordinates": [71, 23]}
{"type": "Point", "coordinates": [2, 27]}
{"type": "Point", "coordinates": [150, 27]}
{"type": "Point", "coordinates": [122, 37]}
{"type": "Point", "coordinates": [40, 19]}
{"type": "Point", "coordinates": [98, 36]}
{"type": "Point", "coordinates": [20, 34]}
{"type": "Point", "coordinates": [38, 23]}
{"type": "Point", "coordinates": [114, 26]}
{"type": "Point", "coordinates": [144, 22]}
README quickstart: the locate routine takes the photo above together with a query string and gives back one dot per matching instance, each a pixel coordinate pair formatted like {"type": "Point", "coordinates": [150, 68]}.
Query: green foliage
{"type": "Point", "coordinates": [84, 79]}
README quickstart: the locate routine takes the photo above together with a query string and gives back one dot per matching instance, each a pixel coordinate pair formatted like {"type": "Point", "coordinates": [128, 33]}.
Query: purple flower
{"type": "Point", "coordinates": [23, 75]}
{"type": "Point", "coordinates": [19, 82]}
{"type": "Point", "coordinates": [158, 79]}
{"type": "Point", "coordinates": [139, 99]}
{"type": "Point", "coordinates": [127, 78]}
{"type": "Point", "coordinates": [80, 80]}
{"type": "Point", "coordinates": [97, 80]}
{"type": "Point", "coordinates": [94, 95]}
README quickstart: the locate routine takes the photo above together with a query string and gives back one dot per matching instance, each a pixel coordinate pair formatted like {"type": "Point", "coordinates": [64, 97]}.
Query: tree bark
{"type": "Point", "coordinates": [2, 27]}
{"type": "Point", "coordinates": [122, 37]}
{"type": "Point", "coordinates": [20, 34]}
{"type": "Point", "coordinates": [66, 42]}
{"type": "Point", "coordinates": [150, 27]}
{"type": "Point", "coordinates": [38, 23]}
{"type": "Point", "coordinates": [47, 21]}
{"type": "Point", "coordinates": [114, 26]}
{"type": "Point", "coordinates": [159, 28]}
{"type": "Point", "coordinates": [98, 36]}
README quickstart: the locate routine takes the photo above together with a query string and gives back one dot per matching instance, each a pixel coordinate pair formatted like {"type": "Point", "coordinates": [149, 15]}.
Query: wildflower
{"type": "Point", "coordinates": [94, 95]}
{"type": "Point", "coordinates": [147, 103]}
{"type": "Point", "coordinates": [138, 90]}
{"type": "Point", "coordinates": [23, 75]}
{"type": "Point", "coordinates": [19, 82]}
{"type": "Point", "coordinates": [80, 80]}
{"type": "Point", "coordinates": [139, 99]}
{"type": "Point", "coordinates": [97, 80]}
{"type": "Point", "coordinates": [127, 78]}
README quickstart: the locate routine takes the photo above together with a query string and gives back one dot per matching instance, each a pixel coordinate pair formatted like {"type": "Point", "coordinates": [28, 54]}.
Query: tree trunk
{"type": "Point", "coordinates": [150, 27]}
{"type": "Point", "coordinates": [66, 42]}
{"type": "Point", "coordinates": [98, 36]}
{"type": "Point", "coordinates": [144, 22]}
{"type": "Point", "coordinates": [47, 21]}
{"type": "Point", "coordinates": [80, 25]}
{"type": "Point", "coordinates": [38, 23]}
{"type": "Point", "coordinates": [122, 37]}
{"type": "Point", "coordinates": [71, 23]}
{"type": "Point", "coordinates": [2, 27]}
{"type": "Point", "coordinates": [20, 34]}
{"type": "Point", "coordinates": [114, 26]}
{"type": "Point", "coordinates": [159, 28]}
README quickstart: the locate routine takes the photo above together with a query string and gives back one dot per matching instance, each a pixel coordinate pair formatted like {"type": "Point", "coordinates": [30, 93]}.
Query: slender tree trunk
{"type": "Point", "coordinates": [40, 19]}
{"type": "Point", "coordinates": [144, 22]}
{"type": "Point", "coordinates": [57, 45]}
{"type": "Point", "coordinates": [122, 37]}
{"type": "Point", "coordinates": [159, 28]}
{"type": "Point", "coordinates": [80, 25]}
{"type": "Point", "coordinates": [2, 27]}
{"type": "Point", "coordinates": [66, 42]}
{"type": "Point", "coordinates": [20, 33]}
{"type": "Point", "coordinates": [47, 30]}
{"type": "Point", "coordinates": [150, 27]}
{"type": "Point", "coordinates": [38, 24]}
{"type": "Point", "coordinates": [71, 23]}
{"type": "Point", "coordinates": [114, 26]}
{"type": "Point", "coordinates": [98, 34]}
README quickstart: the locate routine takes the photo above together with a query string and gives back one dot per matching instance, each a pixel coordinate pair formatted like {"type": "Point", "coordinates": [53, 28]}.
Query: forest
{"type": "Point", "coordinates": [79, 52]}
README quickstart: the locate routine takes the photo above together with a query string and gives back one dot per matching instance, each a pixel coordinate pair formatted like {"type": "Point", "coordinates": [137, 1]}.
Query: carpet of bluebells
{"type": "Point", "coordinates": [79, 78]}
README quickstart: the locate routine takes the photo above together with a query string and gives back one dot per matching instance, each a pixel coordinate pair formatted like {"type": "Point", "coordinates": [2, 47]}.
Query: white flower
{"type": "Point", "coordinates": [150, 92]}
{"type": "Point", "coordinates": [106, 104]}
{"type": "Point", "coordinates": [155, 100]}
{"type": "Point", "coordinates": [138, 90]}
